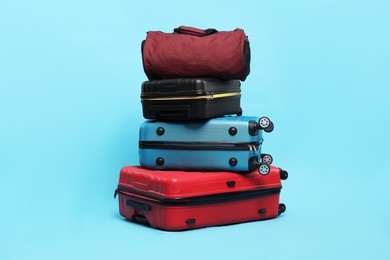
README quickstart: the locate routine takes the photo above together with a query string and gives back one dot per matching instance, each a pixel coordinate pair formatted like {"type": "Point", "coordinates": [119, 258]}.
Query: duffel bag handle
{"type": "Point", "coordinates": [194, 31]}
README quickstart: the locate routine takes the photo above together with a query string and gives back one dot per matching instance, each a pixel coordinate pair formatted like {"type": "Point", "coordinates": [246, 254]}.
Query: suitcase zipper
{"type": "Point", "coordinates": [205, 199]}
{"type": "Point", "coordinates": [212, 96]}
{"type": "Point", "coordinates": [252, 146]}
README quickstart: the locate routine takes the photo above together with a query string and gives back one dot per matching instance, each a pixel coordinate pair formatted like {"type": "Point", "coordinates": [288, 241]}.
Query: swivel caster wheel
{"type": "Point", "coordinates": [265, 124]}
{"type": "Point", "coordinates": [283, 174]}
{"type": "Point", "coordinates": [239, 113]}
{"type": "Point", "coordinates": [266, 158]}
{"type": "Point", "coordinates": [264, 169]}
{"type": "Point", "coordinates": [282, 208]}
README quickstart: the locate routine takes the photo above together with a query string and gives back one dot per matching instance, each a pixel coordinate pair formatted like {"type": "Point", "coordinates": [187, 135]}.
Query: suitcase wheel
{"type": "Point", "coordinates": [265, 124]}
{"type": "Point", "coordinates": [270, 128]}
{"type": "Point", "coordinates": [141, 219]}
{"type": "Point", "coordinates": [282, 208]}
{"type": "Point", "coordinates": [264, 169]}
{"type": "Point", "coordinates": [239, 113]}
{"type": "Point", "coordinates": [266, 158]}
{"type": "Point", "coordinates": [283, 174]}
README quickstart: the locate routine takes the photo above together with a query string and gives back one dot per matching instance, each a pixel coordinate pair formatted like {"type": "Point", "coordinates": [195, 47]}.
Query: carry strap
{"type": "Point", "coordinates": [194, 31]}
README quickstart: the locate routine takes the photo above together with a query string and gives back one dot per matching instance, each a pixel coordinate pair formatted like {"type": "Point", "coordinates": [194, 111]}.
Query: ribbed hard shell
{"type": "Point", "coordinates": [212, 130]}
{"type": "Point", "coordinates": [181, 184]}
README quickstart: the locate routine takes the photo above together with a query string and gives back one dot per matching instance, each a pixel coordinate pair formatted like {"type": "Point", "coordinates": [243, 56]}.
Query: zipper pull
{"type": "Point", "coordinates": [252, 148]}
{"type": "Point", "coordinates": [115, 193]}
{"type": "Point", "coordinates": [261, 141]}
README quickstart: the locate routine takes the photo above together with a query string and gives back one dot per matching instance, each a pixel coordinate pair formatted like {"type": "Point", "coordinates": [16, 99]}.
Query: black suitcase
{"type": "Point", "coordinates": [190, 98]}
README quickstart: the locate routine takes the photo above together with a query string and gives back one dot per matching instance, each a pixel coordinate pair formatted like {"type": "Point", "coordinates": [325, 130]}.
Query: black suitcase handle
{"type": "Point", "coordinates": [178, 112]}
{"type": "Point", "coordinates": [174, 115]}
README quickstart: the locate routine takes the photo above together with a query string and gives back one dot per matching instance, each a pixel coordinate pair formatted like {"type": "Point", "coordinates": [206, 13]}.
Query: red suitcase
{"type": "Point", "coordinates": [177, 200]}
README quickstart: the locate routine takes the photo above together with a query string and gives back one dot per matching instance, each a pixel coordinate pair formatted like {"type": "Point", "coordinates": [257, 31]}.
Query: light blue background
{"type": "Point", "coordinates": [70, 75]}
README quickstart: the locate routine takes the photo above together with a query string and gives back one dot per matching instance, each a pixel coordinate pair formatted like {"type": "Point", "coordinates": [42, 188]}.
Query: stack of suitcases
{"type": "Point", "coordinates": [200, 159]}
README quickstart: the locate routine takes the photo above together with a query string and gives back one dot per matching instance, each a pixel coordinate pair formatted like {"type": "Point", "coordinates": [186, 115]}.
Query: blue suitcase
{"type": "Point", "coordinates": [229, 143]}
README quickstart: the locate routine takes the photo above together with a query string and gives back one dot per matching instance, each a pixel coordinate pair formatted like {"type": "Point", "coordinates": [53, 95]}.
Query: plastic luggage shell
{"type": "Point", "coordinates": [190, 98]}
{"type": "Point", "coordinates": [176, 200]}
{"type": "Point", "coordinates": [229, 143]}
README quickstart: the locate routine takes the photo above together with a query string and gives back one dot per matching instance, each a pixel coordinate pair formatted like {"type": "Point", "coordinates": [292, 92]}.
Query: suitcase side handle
{"type": "Point", "coordinates": [138, 205]}
{"type": "Point", "coordinates": [177, 115]}
{"type": "Point", "coordinates": [194, 31]}
{"type": "Point", "coordinates": [161, 113]}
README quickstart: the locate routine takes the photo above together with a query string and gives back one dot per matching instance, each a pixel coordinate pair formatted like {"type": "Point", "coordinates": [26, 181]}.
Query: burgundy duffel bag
{"type": "Point", "coordinates": [196, 53]}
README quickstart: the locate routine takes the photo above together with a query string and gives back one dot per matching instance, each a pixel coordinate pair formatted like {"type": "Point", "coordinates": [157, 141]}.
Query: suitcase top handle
{"type": "Point", "coordinates": [194, 31]}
